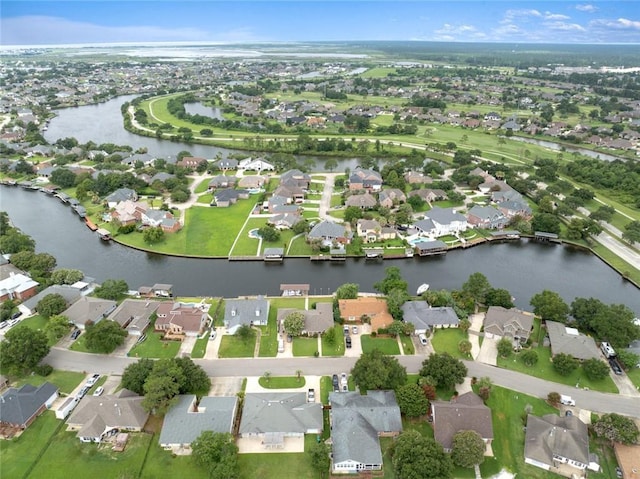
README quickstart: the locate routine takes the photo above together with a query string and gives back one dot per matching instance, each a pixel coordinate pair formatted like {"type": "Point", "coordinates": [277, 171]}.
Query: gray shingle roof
{"type": "Point", "coordinates": [67, 292]}
{"type": "Point", "coordinates": [570, 341]}
{"type": "Point", "coordinates": [182, 425]}
{"type": "Point", "coordinates": [279, 412]}
{"type": "Point", "coordinates": [357, 420]}
{"type": "Point", "coordinates": [17, 406]}
{"type": "Point", "coordinates": [508, 322]}
{"type": "Point", "coordinates": [89, 309]}
{"type": "Point", "coordinates": [444, 216]}
{"type": "Point", "coordinates": [466, 413]}
{"type": "Point", "coordinates": [245, 311]}
{"type": "Point", "coordinates": [327, 229]}
{"type": "Point", "coordinates": [422, 316]}
{"type": "Point", "coordinates": [550, 435]}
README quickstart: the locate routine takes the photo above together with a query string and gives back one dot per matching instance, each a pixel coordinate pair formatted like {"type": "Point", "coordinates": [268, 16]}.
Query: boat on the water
{"type": "Point", "coordinates": [423, 288]}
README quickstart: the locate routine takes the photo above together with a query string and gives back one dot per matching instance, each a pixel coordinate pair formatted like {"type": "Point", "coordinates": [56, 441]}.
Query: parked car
{"type": "Point", "coordinates": [423, 339]}
{"type": "Point", "coordinates": [141, 339]}
{"type": "Point", "coordinates": [213, 335]}
{"type": "Point", "coordinates": [618, 471]}
{"type": "Point", "coordinates": [335, 382]}
{"type": "Point", "coordinates": [311, 395]}
{"type": "Point", "coordinates": [354, 330]}
{"type": "Point", "coordinates": [289, 338]}
{"type": "Point", "coordinates": [615, 366]}
{"type": "Point", "coordinates": [348, 342]}
{"type": "Point", "coordinates": [12, 322]}
{"type": "Point", "coordinates": [4, 324]}
{"type": "Point", "coordinates": [75, 334]}
{"type": "Point", "coordinates": [98, 391]}
{"type": "Point", "coordinates": [16, 315]}
{"type": "Point", "coordinates": [83, 391]}
{"type": "Point", "coordinates": [343, 378]}
{"type": "Point", "coordinates": [346, 330]}
{"type": "Point", "coordinates": [92, 380]}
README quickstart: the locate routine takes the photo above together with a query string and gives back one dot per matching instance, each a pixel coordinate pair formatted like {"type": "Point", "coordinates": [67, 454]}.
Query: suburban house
{"type": "Point", "coordinates": [133, 315]}
{"type": "Point", "coordinates": [368, 230]}
{"type": "Point", "coordinates": [628, 457]}
{"type": "Point", "coordinates": [129, 212]}
{"type": "Point", "coordinates": [486, 217]}
{"type": "Point", "coordinates": [559, 444]}
{"type": "Point", "coordinates": [357, 423]}
{"type": "Point", "coordinates": [511, 208]}
{"type": "Point", "coordinates": [467, 412]}
{"type": "Point", "coordinates": [364, 201]}
{"type": "Point", "coordinates": [276, 418]}
{"type": "Point", "coordinates": [18, 286]}
{"type": "Point", "coordinates": [295, 178]}
{"type": "Point", "coordinates": [188, 419]}
{"type": "Point", "coordinates": [328, 232]}
{"type": "Point", "coordinates": [257, 164]}
{"type": "Point", "coordinates": [69, 293]}
{"type": "Point", "coordinates": [97, 417]}
{"type": "Point", "coordinates": [511, 323]}
{"type": "Point", "coordinates": [429, 195]}
{"type": "Point", "coordinates": [367, 308]}
{"type": "Point", "coordinates": [20, 407]}
{"type": "Point", "coordinates": [249, 312]}
{"type": "Point", "coordinates": [316, 321]}
{"type": "Point", "coordinates": [177, 320]}
{"type": "Point", "coordinates": [570, 341]}
{"type": "Point", "coordinates": [222, 181]}
{"type": "Point", "coordinates": [88, 309]}
{"type": "Point", "coordinates": [226, 164]}
{"type": "Point", "coordinates": [294, 194]}
{"type": "Point", "coordinates": [284, 220]}
{"type": "Point", "coordinates": [226, 197]}
{"type": "Point", "coordinates": [426, 318]}
{"type": "Point", "coordinates": [446, 221]}
{"type": "Point", "coordinates": [191, 162]}
{"type": "Point", "coordinates": [160, 218]}
{"type": "Point", "coordinates": [158, 290]}
{"type": "Point", "coordinates": [363, 179]}
{"type": "Point", "coordinates": [391, 197]}
{"type": "Point", "coordinates": [417, 178]}
{"type": "Point", "coordinates": [252, 181]}
{"type": "Point", "coordinates": [120, 195]}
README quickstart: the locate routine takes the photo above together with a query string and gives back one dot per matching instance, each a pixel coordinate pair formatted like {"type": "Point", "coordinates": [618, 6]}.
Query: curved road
{"type": "Point", "coordinates": [595, 401]}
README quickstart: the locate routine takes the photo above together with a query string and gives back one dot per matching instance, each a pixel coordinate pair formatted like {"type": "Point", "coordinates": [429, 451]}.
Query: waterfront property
{"type": "Point", "coordinates": [570, 341]}
{"type": "Point", "coordinates": [511, 323]}
{"type": "Point", "coordinates": [425, 317]}
{"type": "Point", "coordinates": [177, 320]}
{"type": "Point", "coordinates": [89, 310]}
{"type": "Point", "coordinates": [247, 312]}
{"type": "Point", "coordinates": [134, 315]}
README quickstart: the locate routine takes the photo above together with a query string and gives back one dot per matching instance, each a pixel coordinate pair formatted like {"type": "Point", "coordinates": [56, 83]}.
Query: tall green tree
{"type": "Point", "coordinates": [419, 457]}
{"type": "Point", "coordinates": [564, 364]}
{"type": "Point", "coordinates": [392, 280]}
{"type": "Point", "coordinates": [550, 305]}
{"type": "Point", "coordinates": [104, 337]}
{"type": "Point", "coordinates": [445, 370]}
{"type": "Point", "coordinates": [376, 370]}
{"type": "Point", "coordinates": [617, 428]}
{"type": "Point", "coordinates": [196, 381]}
{"type": "Point", "coordinates": [477, 286]}
{"type": "Point", "coordinates": [22, 349]}
{"type": "Point", "coordinates": [595, 369]}
{"type": "Point", "coordinates": [136, 374]}
{"type": "Point", "coordinates": [112, 289]}
{"type": "Point", "coordinates": [411, 400]}
{"type": "Point", "coordinates": [162, 386]}
{"type": "Point", "coordinates": [320, 458]}
{"type": "Point", "coordinates": [217, 453]}
{"type": "Point", "coordinates": [56, 327]}
{"type": "Point", "coordinates": [347, 291]}
{"type": "Point", "coordinates": [294, 323]}
{"type": "Point", "coordinates": [51, 304]}
{"type": "Point", "coordinates": [468, 449]}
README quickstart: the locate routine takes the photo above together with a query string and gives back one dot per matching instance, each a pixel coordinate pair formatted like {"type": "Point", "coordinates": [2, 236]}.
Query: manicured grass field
{"type": "Point", "coordinates": [37, 323]}
{"type": "Point", "coordinates": [305, 346]}
{"type": "Point", "coordinates": [299, 247]}
{"type": "Point", "coordinates": [245, 244]}
{"type": "Point", "coordinates": [200, 348]}
{"type": "Point", "coordinates": [407, 345]}
{"type": "Point", "coordinates": [386, 345]}
{"type": "Point", "coordinates": [155, 347]}
{"type": "Point", "coordinates": [202, 186]}
{"type": "Point", "coordinates": [446, 341]}
{"type": "Point", "coordinates": [544, 369]}
{"type": "Point", "coordinates": [234, 347]}
{"type": "Point", "coordinates": [333, 349]}
{"type": "Point", "coordinates": [161, 463]}
{"type": "Point", "coordinates": [20, 453]}
{"type": "Point", "coordinates": [67, 381]}
{"type": "Point", "coordinates": [278, 466]}
{"type": "Point", "coordinates": [634, 375]}
{"type": "Point", "coordinates": [282, 382]}
{"type": "Point", "coordinates": [79, 345]}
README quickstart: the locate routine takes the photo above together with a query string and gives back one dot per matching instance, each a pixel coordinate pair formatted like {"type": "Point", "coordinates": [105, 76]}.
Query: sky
{"type": "Point", "coordinates": [243, 21]}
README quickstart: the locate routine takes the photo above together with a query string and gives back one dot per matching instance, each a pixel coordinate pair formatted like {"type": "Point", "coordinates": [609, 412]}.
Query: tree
{"type": "Point", "coordinates": [162, 386]}
{"type": "Point", "coordinates": [376, 370]}
{"type": "Point", "coordinates": [196, 381]}
{"type": "Point", "coordinates": [352, 214]}
{"type": "Point", "coordinates": [331, 164]}
{"type": "Point", "coordinates": [347, 291]}
{"type": "Point", "coordinates": [136, 374]}
{"type": "Point", "coordinates": [22, 349]}
{"type": "Point", "coordinates": [411, 400]}
{"type": "Point", "coordinates": [294, 323]}
{"type": "Point", "coordinates": [112, 289]}
{"type": "Point", "coordinates": [445, 370]}
{"type": "Point", "coordinates": [627, 359]}
{"type": "Point", "coordinates": [617, 428]}
{"type": "Point", "coordinates": [464, 325]}
{"type": "Point", "coordinates": [529, 357]}
{"type": "Point", "coordinates": [553, 398]}
{"type": "Point", "coordinates": [153, 235]}
{"type": "Point", "coordinates": [269, 234]}
{"type": "Point", "coordinates": [564, 364]}
{"type": "Point", "coordinates": [464, 346]}
{"type": "Point", "coordinates": [615, 324]}
{"type": "Point", "coordinates": [63, 177]}
{"type": "Point", "coordinates": [396, 328]}
{"type": "Point", "coordinates": [217, 453]}
{"type": "Point", "coordinates": [104, 337]}
{"type": "Point", "coordinates": [467, 449]}
{"type": "Point", "coordinates": [320, 458]}
{"type": "Point", "coordinates": [477, 286]}
{"type": "Point", "coordinates": [484, 387]}
{"type": "Point", "coordinates": [499, 297]}
{"type": "Point", "coordinates": [632, 232]}
{"type": "Point", "coordinates": [66, 276]}
{"type": "Point", "coordinates": [419, 457]}
{"type": "Point", "coordinates": [395, 299]}
{"type": "Point", "coordinates": [546, 222]}
{"type": "Point", "coordinates": [244, 332]}
{"type": "Point", "coordinates": [14, 242]}
{"type": "Point", "coordinates": [595, 369]}
{"type": "Point", "coordinates": [51, 304]}
{"type": "Point", "coordinates": [549, 305]}
{"type": "Point", "coordinates": [56, 327]}
{"type": "Point", "coordinates": [505, 347]}
{"type": "Point", "coordinates": [392, 280]}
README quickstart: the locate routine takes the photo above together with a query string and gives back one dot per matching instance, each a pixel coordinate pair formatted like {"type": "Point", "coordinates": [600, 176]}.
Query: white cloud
{"type": "Point", "coordinates": [33, 30]}
{"type": "Point", "coordinates": [510, 15]}
{"type": "Point", "coordinates": [555, 16]}
{"type": "Point", "coordinates": [565, 27]}
{"type": "Point", "coordinates": [448, 28]}
{"type": "Point", "coordinates": [618, 24]}
{"type": "Point", "coordinates": [587, 8]}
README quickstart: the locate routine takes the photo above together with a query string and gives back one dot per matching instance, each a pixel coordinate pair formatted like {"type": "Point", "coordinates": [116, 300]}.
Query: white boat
{"type": "Point", "coordinates": [423, 288]}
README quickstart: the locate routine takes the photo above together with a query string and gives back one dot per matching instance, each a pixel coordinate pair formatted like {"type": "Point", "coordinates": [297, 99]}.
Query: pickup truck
{"type": "Point", "coordinates": [311, 395]}
{"type": "Point", "coordinates": [567, 400]}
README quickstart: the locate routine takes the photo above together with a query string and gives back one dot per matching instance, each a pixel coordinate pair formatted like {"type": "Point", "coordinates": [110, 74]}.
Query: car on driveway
{"type": "Point", "coordinates": [335, 382]}
{"type": "Point", "coordinates": [98, 391]}
{"type": "Point", "coordinates": [346, 330]}
{"type": "Point", "coordinates": [348, 342]}
{"type": "Point", "coordinates": [354, 330]}
{"type": "Point", "coordinates": [92, 380]}
{"type": "Point", "coordinates": [615, 366]}
{"type": "Point", "coordinates": [423, 339]}
{"type": "Point", "coordinates": [213, 335]}
{"type": "Point", "coordinates": [75, 334]}
{"type": "Point", "coordinates": [311, 395]}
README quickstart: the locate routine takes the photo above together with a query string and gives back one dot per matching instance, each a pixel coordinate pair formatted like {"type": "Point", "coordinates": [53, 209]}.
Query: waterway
{"type": "Point", "coordinates": [558, 147]}
{"type": "Point", "coordinates": [524, 267]}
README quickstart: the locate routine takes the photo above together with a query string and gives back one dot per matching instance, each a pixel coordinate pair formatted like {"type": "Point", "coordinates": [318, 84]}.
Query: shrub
{"type": "Point", "coordinates": [43, 369]}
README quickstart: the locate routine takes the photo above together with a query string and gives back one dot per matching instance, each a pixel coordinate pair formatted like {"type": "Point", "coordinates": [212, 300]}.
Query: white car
{"type": "Point", "coordinates": [93, 379]}
{"type": "Point", "coordinates": [98, 391]}
{"type": "Point", "coordinates": [213, 335]}
{"type": "Point", "coordinates": [354, 330]}
{"type": "Point", "coordinates": [423, 339]}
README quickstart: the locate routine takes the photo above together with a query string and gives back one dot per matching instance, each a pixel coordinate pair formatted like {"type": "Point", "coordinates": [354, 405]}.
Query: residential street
{"type": "Point", "coordinates": [592, 400]}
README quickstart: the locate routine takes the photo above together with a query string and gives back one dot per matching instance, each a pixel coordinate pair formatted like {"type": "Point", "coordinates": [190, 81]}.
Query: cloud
{"type": "Point", "coordinates": [555, 16]}
{"type": "Point", "coordinates": [511, 15]}
{"type": "Point", "coordinates": [586, 8]}
{"type": "Point", "coordinates": [36, 30]}
{"type": "Point", "coordinates": [459, 33]}
{"type": "Point", "coordinates": [618, 24]}
{"type": "Point", "coordinates": [565, 27]}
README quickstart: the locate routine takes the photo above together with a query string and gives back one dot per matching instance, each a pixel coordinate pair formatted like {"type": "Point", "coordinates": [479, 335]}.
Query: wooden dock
{"type": "Point", "coordinates": [91, 225]}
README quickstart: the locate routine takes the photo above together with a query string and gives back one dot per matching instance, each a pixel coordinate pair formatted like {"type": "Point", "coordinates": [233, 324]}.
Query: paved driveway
{"type": "Point", "coordinates": [225, 386]}
{"type": "Point", "coordinates": [187, 346]}
{"type": "Point", "coordinates": [488, 351]}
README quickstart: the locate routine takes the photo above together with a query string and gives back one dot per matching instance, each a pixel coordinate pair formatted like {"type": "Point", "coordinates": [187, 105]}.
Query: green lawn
{"type": "Point", "coordinates": [246, 245]}
{"type": "Point", "coordinates": [544, 370]}
{"type": "Point", "coordinates": [37, 323]}
{"type": "Point", "coordinates": [407, 345]}
{"type": "Point", "coordinates": [386, 345]}
{"type": "Point", "coordinates": [446, 341]}
{"type": "Point", "coordinates": [282, 382]}
{"type": "Point", "coordinates": [200, 348]}
{"type": "Point", "coordinates": [202, 186]}
{"type": "Point", "coordinates": [155, 347]}
{"type": "Point", "coordinates": [161, 464]}
{"type": "Point", "coordinates": [269, 333]}
{"type": "Point", "coordinates": [634, 375]}
{"type": "Point", "coordinates": [333, 349]}
{"type": "Point", "coordinates": [305, 346]}
{"type": "Point", "coordinates": [277, 466]}
{"type": "Point", "coordinates": [67, 381]}
{"type": "Point", "coordinates": [20, 453]}
{"type": "Point", "coordinates": [67, 454]}
{"type": "Point", "coordinates": [79, 345]}
{"type": "Point", "coordinates": [234, 347]}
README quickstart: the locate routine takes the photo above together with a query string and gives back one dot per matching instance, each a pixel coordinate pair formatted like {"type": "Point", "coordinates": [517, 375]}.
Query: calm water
{"type": "Point", "coordinates": [524, 268]}
{"type": "Point", "coordinates": [198, 108]}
